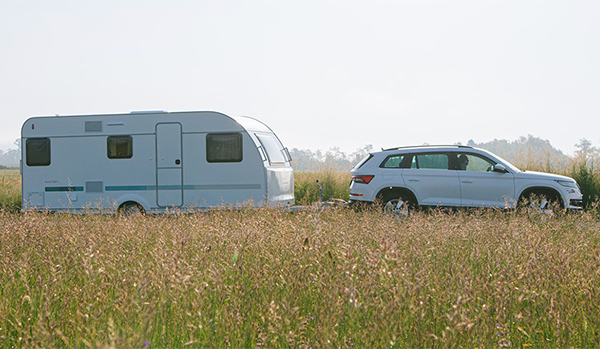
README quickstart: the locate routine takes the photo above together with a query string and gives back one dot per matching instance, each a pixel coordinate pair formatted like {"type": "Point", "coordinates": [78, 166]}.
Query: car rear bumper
{"type": "Point", "coordinates": [353, 203]}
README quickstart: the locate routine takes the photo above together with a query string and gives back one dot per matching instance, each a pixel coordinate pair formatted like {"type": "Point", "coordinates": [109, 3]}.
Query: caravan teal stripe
{"type": "Point", "coordinates": [129, 187]}
{"type": "Point", "coordinates": [179, 187]}
{"type": "Point", "coordinates": [222, 186]}
{"type": "Point", "coordinates": [170, 187]}
{"type": "Point", "coordinates": [141, 187]}
{"type": "Point", "coordinates": [54, 189]}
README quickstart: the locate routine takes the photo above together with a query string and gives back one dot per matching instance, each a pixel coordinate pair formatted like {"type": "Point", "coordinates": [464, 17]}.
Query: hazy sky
{"type": "Point", "coordinates": [319, 73]}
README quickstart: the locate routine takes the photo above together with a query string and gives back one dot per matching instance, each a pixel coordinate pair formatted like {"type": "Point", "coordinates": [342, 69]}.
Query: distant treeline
{"type": "Point", "coordinates": [528, 153]}
{"type": "Point", "coordinates": [11, 157]}
{"type": "Point", "coordinates": [333, 159]}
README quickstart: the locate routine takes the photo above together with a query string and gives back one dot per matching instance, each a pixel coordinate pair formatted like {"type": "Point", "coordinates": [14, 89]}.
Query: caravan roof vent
{"type": "Point", "coordinates": [149, 112]}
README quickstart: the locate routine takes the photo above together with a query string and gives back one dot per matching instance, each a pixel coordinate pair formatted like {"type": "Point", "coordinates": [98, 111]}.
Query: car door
{"type": "Point", "coordinates": [432, 181]}
{"type": "Point", "coordinates": [480, 186]}
{"type": "Point", "coordinates": [391, 169]}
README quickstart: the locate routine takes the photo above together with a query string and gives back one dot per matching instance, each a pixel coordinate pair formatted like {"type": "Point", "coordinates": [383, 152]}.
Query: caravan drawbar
{"type": "Point", "coordinates": [152, 162]}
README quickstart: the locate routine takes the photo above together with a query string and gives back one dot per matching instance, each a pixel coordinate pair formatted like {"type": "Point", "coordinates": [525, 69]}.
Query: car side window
{"type": "Point", "coordinates": [430, 161]}
{"type": "Point", "coordinates": [413, 162]}
{"type": "Point", "coordinates": [471, 162]}
{"type": "Point", "coordinates": [394, 161]}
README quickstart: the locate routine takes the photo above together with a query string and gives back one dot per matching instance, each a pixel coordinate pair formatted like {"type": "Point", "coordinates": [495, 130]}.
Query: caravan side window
{"type": "Point", "coordinates": [37, 151]}
{"type": "Point", "coordinates": [119, 147]}
{"type": "Point", "coordinates": [224, 147]}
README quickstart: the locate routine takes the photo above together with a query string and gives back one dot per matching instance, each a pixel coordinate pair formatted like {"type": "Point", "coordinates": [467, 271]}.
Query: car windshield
{"type": "Point", "coordinates": [513, 167]}
{"type": "Point", "coordinates": [504, 162]}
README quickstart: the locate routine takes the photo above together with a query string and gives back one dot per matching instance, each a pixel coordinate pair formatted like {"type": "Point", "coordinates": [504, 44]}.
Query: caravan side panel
{"type": "Point", "coordinates": [222, 183]}
{"type": "Point", "coordinates": [80, 174]}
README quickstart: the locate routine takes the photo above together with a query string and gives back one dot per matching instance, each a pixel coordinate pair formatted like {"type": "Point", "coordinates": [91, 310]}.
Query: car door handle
{"type": "Point", "coordinates": [467, 181]}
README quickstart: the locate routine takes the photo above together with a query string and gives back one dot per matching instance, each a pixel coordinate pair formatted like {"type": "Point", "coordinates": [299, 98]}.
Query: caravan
{"type": "Point", "coordinates": [152, 162]}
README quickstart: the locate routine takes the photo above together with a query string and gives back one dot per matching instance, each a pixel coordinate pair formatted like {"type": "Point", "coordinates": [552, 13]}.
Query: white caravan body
{"type": "Point", "coordinates": [153, 160]}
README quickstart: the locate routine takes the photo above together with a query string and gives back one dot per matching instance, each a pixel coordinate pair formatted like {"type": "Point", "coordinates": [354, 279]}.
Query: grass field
{"type": "Point", "coordinates": [334, 278]}
{"type": "Point", "coordinates": [267, 278]}
{"type": "Point", "coordinates": [336, 185]}
{"type": "Point", "coordinates": [10, 190]}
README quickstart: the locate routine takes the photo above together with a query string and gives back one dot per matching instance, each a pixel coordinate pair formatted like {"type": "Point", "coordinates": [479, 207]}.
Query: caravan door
{"type": "Point", "coordinates": [169, 174]}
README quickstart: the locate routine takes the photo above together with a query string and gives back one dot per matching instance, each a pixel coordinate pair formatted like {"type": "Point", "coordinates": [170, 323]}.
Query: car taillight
{"type": "Point", "coordinates": [362, 179]}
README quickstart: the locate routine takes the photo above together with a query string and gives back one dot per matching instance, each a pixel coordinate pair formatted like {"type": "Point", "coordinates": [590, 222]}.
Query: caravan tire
{"type": "Point", "coordinates": [129, 209]}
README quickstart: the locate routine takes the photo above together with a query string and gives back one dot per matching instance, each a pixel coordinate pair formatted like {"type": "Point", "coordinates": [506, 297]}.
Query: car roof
{"type": "Point", "coordinates": [428, 147]}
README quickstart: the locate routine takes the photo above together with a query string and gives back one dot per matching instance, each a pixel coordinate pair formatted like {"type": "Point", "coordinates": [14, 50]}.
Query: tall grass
{"type": "Point", "coordinates": [266, 278]}
{"type": "Point", "coordinates": [334, 184]}
{"type": "Point", "coordinates": [10, 190]}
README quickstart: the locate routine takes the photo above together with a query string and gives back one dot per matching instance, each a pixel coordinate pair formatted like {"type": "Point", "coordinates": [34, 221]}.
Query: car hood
{"type": "Point", "coordinates": [542, 176]}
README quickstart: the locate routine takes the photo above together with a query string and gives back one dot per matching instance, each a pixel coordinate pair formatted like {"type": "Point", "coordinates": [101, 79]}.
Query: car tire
{"type": "Point", "coordinates": [396, 206]}
{"type": "Point", "coordinates": [540, 203]}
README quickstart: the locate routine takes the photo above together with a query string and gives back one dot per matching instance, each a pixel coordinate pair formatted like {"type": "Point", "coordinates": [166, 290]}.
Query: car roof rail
{"type": "Point", "coordinates": [430, 146]}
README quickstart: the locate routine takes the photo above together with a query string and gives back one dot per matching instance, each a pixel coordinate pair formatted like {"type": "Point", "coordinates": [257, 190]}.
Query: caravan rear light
{"type": "Point", "coordinates": [362, 179]}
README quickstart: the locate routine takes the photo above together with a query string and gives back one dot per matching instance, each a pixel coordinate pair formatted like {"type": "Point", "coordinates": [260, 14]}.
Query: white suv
{"type": "Point", "coordinates": [459, 176]}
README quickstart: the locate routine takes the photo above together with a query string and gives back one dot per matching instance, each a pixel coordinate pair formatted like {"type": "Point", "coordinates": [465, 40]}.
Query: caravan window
{"type": "Point", "coordinates": [224, 147]}
{"type": "Point", "coordinates": [273, 148]}
{"type": "Point", "coordinates": [119, 147]}
{"type": "Point", "coordinates": [37, 152]}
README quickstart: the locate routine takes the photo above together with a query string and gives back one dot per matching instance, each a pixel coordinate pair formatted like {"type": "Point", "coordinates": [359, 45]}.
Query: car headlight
{"type": "Point", "coordinates": [568, 184]}
{"type": "Point", "coordinates": [572, 187]}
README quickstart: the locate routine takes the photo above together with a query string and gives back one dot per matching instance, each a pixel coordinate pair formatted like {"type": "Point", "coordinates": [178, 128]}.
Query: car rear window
{"type": "Point", "coordinates": [363, 161]}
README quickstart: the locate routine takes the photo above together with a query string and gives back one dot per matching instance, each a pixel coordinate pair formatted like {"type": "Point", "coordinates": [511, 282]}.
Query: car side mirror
{"type": "Point", "coordinates": [500, 168]}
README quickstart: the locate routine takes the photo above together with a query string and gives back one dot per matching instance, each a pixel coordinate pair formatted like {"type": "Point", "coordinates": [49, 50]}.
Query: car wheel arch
{"type": "Point", "coordinates": [399, 191]}
{"type": "Point", "coordinates": [539, 190]}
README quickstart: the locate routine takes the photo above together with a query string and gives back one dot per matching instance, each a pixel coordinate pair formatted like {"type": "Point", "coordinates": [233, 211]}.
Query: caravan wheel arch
{"type": "Point", "coordinates": [134, 199]}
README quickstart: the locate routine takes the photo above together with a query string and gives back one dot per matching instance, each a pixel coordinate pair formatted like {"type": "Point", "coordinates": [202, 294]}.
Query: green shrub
{"type": "Point", "coordinates": [589, 182]}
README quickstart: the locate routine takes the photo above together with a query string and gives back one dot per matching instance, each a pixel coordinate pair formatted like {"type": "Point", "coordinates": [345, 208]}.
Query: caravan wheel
{"type": "Point", "coordinates": [129, 209]}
